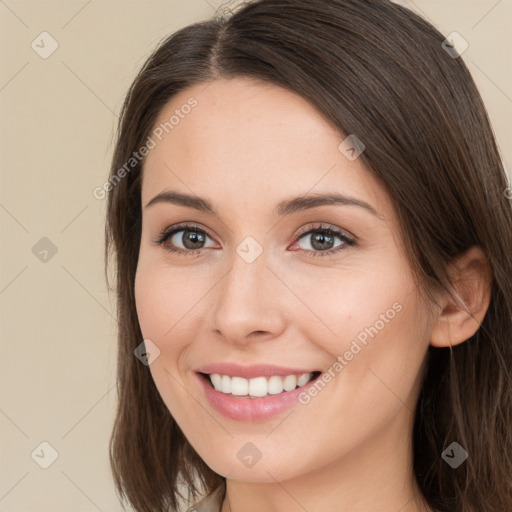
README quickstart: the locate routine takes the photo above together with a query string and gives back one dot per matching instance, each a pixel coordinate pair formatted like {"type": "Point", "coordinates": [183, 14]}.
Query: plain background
{"type": "Point", "coordinates": [57, 119]}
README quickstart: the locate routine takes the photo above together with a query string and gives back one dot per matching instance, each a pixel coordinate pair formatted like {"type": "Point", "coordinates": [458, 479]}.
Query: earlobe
{"type": "Point", "coordinates": [465, 307]}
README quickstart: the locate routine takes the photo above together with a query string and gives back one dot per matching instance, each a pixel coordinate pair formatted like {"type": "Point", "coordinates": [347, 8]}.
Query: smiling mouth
{"type": "Point", "coordinates": [258, 387]}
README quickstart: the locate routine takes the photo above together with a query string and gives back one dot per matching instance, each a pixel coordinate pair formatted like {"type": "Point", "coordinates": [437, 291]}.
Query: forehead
{"type": "Point", "coordinates": [246, 140]}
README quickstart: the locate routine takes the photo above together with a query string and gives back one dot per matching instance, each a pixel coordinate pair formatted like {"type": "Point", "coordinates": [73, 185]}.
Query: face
{"type": "Point", "coordinates": [251, 288]}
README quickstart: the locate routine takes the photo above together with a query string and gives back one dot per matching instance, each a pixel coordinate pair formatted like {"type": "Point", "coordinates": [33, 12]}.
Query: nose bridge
{"type": "Point", "coordinates": [246, 300]}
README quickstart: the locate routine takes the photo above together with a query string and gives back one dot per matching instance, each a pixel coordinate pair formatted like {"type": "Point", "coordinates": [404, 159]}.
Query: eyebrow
{"type": "Point", "coordinates": [284, 208]}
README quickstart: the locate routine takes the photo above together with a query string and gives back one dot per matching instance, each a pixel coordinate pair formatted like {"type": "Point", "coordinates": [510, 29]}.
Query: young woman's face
{"type": "Point", "coordinates": [265, 284]}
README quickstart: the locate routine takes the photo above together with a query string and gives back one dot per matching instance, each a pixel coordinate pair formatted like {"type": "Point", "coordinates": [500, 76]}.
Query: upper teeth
{"type": "Point", "coordinates": [258, 386]}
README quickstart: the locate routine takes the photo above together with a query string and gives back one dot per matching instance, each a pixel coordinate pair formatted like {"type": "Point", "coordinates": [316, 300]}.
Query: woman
{"type": "Point", "coordinates": [312, 238]}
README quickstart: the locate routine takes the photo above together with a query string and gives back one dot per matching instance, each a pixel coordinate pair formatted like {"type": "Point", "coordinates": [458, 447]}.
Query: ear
{"type": "Point", "coordinates": [464, 309]}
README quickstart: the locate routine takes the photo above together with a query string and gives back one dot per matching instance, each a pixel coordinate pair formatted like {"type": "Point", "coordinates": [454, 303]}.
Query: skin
{"type": "Point", "coordinates": [247, 146]}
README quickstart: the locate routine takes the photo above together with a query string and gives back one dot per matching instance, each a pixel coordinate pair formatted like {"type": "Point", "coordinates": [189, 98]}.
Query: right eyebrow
{"type": "Point", "coordinates": [187, 200]}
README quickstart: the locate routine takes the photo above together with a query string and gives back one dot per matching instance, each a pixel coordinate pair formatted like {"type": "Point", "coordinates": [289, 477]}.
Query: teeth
{"type": "Point", "coordinates": [289, 382]}
{"type": "Point", "coordinates": [275, 385]}
{"type": "Point", "coordinates": [216, 381]}
{"type": "Point", "coordinates": [303, 379]}
{"type": "Point", "coordinates": [239, 386]}
{"type": "Point", "coordinates": [258, 386]}
{"type": "Point", "coordinates": [226, 384]}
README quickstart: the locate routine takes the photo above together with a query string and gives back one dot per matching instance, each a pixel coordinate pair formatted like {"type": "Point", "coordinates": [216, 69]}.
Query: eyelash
{"type": "Point", "coordinates": [321, 228]}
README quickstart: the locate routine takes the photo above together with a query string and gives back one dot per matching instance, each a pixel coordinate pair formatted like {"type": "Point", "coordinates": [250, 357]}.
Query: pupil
{"type": "Point", "coordinates": [321, 238]}
{"type": "Point", "coordinates": [194, 238]}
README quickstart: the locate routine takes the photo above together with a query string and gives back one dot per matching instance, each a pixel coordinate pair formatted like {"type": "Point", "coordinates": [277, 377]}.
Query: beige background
{"type": "Point", "coordinates": [57, 117]}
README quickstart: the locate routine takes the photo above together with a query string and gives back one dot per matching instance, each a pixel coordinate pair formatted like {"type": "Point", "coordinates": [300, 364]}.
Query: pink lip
{"type": "Point", "coordinates": [249, 372]}
{"type": "Point", "coordinates": [251, 409]}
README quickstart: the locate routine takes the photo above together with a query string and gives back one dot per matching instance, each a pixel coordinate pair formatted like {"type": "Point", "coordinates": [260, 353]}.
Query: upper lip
{"type": "Point", "coordinates": [251, 371]}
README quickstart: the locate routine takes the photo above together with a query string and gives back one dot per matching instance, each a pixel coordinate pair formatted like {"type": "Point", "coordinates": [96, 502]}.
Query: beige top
{"type": "Point", "coordinates": [211, 503]}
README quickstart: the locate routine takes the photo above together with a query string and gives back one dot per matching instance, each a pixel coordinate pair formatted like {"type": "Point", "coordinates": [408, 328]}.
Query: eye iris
{"type": "Point", "coordinates": [194, 238]}
{"type": "Point", "coordinates": [319, 239]}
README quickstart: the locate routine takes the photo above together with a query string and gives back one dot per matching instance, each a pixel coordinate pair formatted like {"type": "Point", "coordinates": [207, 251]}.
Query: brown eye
{"type": "Point", "coordinates": [191, 239]}
{"type": "Point", "coordinates": [183, 239]}
{"type": "Point", "coordinates": [323, 241]}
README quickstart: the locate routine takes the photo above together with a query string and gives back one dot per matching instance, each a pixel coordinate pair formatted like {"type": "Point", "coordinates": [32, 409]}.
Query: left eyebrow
{"type": "Point", "coordinates": [284, 208]}
{"type": "Point", "coordinates": [306, 202]}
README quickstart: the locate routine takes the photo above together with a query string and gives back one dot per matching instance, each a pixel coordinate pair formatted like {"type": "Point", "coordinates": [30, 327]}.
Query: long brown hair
{"type": "Point", "coordinates": [374, 69]}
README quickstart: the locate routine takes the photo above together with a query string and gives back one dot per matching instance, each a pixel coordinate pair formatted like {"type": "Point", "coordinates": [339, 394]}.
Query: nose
{"type": "Point", "coordinates": [247, 303]}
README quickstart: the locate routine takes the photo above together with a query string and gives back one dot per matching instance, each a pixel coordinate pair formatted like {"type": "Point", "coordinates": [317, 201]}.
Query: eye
{"type": "Point", "coordinates": [190, 236]}
{"type": "Point", "coordinates": [322, 240]}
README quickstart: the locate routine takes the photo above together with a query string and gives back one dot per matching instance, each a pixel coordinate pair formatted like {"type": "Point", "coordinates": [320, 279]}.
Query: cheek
{"type": "Point", "coordinates": [152, 301]}
{"type": "Point", "coordinates": [164, 299]}
{"type": "Point", "coordinates": [359, 300]}
{"type": "Point", "coordinates": [372, 324]}
{"type": "Point", "coordinates": [377, 359]}
{"type": "Point", "coordinates": [374, 374]}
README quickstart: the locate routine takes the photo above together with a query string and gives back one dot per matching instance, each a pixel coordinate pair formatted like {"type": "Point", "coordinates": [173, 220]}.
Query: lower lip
{"type": "Point", "coordinates": [250, 409]}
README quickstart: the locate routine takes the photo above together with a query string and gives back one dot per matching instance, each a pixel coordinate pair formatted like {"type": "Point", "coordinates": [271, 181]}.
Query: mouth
{"type": "Point", "coordinates": [258, 387]}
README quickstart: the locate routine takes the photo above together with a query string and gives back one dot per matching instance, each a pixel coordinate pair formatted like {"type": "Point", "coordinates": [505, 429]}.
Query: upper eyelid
{"type": "Point", "coordinates": [322, 226]}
